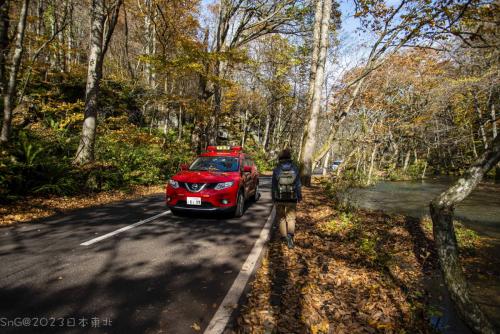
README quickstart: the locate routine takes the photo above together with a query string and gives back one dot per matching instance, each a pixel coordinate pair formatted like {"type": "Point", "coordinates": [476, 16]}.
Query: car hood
{"type": "Point", "coordinates": [205, 176]}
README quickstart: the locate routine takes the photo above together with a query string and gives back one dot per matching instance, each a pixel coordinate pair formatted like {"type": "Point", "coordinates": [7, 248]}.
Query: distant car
{"type": "Point", "coordinates": [221, 180]}
{"type": "Point", "coordinates": [336, 164]}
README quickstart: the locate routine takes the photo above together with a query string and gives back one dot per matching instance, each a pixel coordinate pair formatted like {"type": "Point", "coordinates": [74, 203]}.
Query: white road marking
{"type": "Point", "coordinates": [123, 229]}
{"type": "Point", "coordinates": [223, 314]}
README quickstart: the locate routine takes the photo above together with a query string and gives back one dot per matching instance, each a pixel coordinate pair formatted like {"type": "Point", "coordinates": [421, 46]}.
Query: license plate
{"type": "Point", "coordinates": [194, 200]}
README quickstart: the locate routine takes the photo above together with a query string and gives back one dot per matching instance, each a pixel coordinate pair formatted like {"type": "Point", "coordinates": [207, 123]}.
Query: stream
{"type": "Point", "coordinates": [479, 212]}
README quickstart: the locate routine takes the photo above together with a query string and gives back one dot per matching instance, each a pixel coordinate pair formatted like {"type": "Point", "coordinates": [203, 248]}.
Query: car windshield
{"type": "Point", "coordinates": [220, 164]}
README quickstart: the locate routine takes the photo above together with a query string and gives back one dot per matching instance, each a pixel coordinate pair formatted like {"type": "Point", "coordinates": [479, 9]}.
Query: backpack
{"type": "Point", "coordinates": [286, 186]}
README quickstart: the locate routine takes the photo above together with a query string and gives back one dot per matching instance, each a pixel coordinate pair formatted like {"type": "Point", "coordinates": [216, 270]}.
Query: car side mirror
{"type": "Point", "coordinates": [247, 169]}
{"type": "Point", "coordinates": [184, 166]}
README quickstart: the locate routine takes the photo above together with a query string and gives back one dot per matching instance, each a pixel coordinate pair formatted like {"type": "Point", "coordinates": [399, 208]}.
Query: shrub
{"type": "Point", "coordinates": [29, 167]}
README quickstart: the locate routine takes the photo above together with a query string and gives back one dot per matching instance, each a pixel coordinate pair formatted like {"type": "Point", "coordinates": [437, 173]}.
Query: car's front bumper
{"type": "Point", "coordinates": [194, 208]}
{"type": "Point", "coordinates": [211, 200]}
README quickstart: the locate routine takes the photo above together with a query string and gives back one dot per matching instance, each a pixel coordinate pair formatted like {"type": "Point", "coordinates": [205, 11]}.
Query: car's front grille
{"type": "Point", "coordinates": [197, 187]}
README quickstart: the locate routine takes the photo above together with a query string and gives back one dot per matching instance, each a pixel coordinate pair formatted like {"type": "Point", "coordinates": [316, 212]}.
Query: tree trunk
{"type": "Point", "coordinates": [346, 160]}
{"type": "Point", "coordinates": [10, 90]}
{"type": "Point", "coordinates": [491, 104]}
{"type": "Point", "coordinates": [473, 143]}
{"type": "Point", "coordinates": [493, 121]}
{"type": "Point", "coordinates": [482, 132]}
{"type": "Point", "coordinates": [441, 209]}
{"type": "Point", "coordinates": [98, 46]}
{"type": "Point", "coordinates": [40, 24]}
{"type": "Point", "coordinates": [69, 40]}
{"type": "Point", "coordinates": [245, 129]}
{"type": "Point", "coordinates": [4, 40]}
{"type": "Point", "coordinates": [406, 161]}
{"type": "Point", "coordinates": [426, 163]}
{"type": "Point", "coordinates": [126, 46]}
{"type": "Point", "coordinates": [316, 49]}
{"type": "Point", "coordinates": [265, 140]}
{"type": "Point", "coordinates": [150, 43]}
{"type": "Point", "coordinates": [220, 41]}
{"type": "Point", "coordinates": [333, 130]}
{"type": "Point", "coordinates": [179, 124]}
{"type": "Point", "coordinates": [310, 128]}
{"type": "Point", "coordinates": [61, 55]}
{"type": "Point", "coordinates": [372, 163]}
{"type": "Point", "coordinates": [494, 135]}
{"type": "Point", "coordinates": [85, 151]}
{"type": "Point", "coordinates": [325, 163]}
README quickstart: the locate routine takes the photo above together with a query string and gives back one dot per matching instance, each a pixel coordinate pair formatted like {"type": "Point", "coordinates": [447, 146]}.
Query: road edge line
{"type": "Point", "coordinates": [223, 314]}
{"type": "Point", "coordinates": [123, 229]}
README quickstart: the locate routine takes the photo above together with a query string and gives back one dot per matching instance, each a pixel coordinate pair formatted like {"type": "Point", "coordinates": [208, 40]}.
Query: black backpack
{"type": "Point", "coordinates": [286, 186]}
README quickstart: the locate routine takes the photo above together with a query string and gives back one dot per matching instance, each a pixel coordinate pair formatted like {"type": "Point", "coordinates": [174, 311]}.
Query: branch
{"type": "Point", "coordinates": [38, 52]}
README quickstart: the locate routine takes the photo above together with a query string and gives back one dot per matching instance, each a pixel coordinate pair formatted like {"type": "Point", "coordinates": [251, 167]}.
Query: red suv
{"type": "Point", "coordinates": [221, 179]}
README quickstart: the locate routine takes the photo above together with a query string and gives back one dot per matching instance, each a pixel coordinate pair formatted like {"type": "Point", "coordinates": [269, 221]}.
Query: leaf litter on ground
{"type": "Point", "coordinates": [349, 273]}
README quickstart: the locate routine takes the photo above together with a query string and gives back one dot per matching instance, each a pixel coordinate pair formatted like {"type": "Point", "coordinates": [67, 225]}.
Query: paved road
{"type": "Point", "coordinates": [160, 277]}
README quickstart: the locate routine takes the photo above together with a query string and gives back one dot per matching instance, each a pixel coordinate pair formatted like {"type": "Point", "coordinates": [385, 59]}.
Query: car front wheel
{"type": "Point", "coordinates": [240, 205]}
{"type": "Point", "coordinates": [256, 195]}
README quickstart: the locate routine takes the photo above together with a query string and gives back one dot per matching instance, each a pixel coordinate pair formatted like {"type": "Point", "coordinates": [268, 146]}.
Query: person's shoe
{"type": "Point", "coordinates": [289, 241]}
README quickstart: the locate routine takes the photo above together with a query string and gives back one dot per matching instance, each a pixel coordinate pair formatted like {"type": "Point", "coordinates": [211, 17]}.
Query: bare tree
{"type": "Point", "coordinates": [242, 21]}
{"type": "Point", "coordinates": [402, 24]}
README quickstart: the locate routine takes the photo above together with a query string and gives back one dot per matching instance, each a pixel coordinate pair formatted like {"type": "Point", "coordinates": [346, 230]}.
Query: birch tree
{"type": "Point", "coordinates": [318, 75]}
{"type": "Point", "coordinates": [101, 12]}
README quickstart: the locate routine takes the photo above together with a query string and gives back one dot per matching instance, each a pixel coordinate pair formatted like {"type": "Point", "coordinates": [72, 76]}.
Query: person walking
{"type": "Point", "coordinates": [286, 193]}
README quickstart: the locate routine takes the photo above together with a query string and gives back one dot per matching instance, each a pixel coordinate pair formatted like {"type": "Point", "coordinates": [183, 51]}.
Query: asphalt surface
{"type": "Point", "coordinates": [165, 276]}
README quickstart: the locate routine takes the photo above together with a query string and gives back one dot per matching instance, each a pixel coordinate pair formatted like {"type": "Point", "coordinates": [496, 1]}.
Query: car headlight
{"type": "Point", "coordinates": [173, 183]}
{"type": "Point", "coordinates": [223, 185]}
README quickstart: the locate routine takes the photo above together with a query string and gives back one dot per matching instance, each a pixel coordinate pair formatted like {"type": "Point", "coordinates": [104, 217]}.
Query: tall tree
{"type": "Point", "coordinates": [242, 21]}
{"type": "Point", "coordinates": [395, 27]}
{"type": "Point", "coordinates": [101, 12]}
{"type": "Point", "coordinates": [318, 73]}
{"type": "Point", "coordinates": [10, 89]}
{"type": "Point", "coordinates": [442, 210]}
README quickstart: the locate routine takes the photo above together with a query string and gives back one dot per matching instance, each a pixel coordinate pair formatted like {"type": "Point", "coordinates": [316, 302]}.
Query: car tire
{"type": "Point", "coordinates": [175, 212]}
{"type": "Point", "coordinates": [256, 195]}
{"type": "Point", "coordinates": [240, 205]}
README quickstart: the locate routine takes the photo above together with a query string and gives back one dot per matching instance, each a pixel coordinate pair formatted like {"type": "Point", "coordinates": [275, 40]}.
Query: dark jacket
{"type": "Point", "coordinates": [286, 165]}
